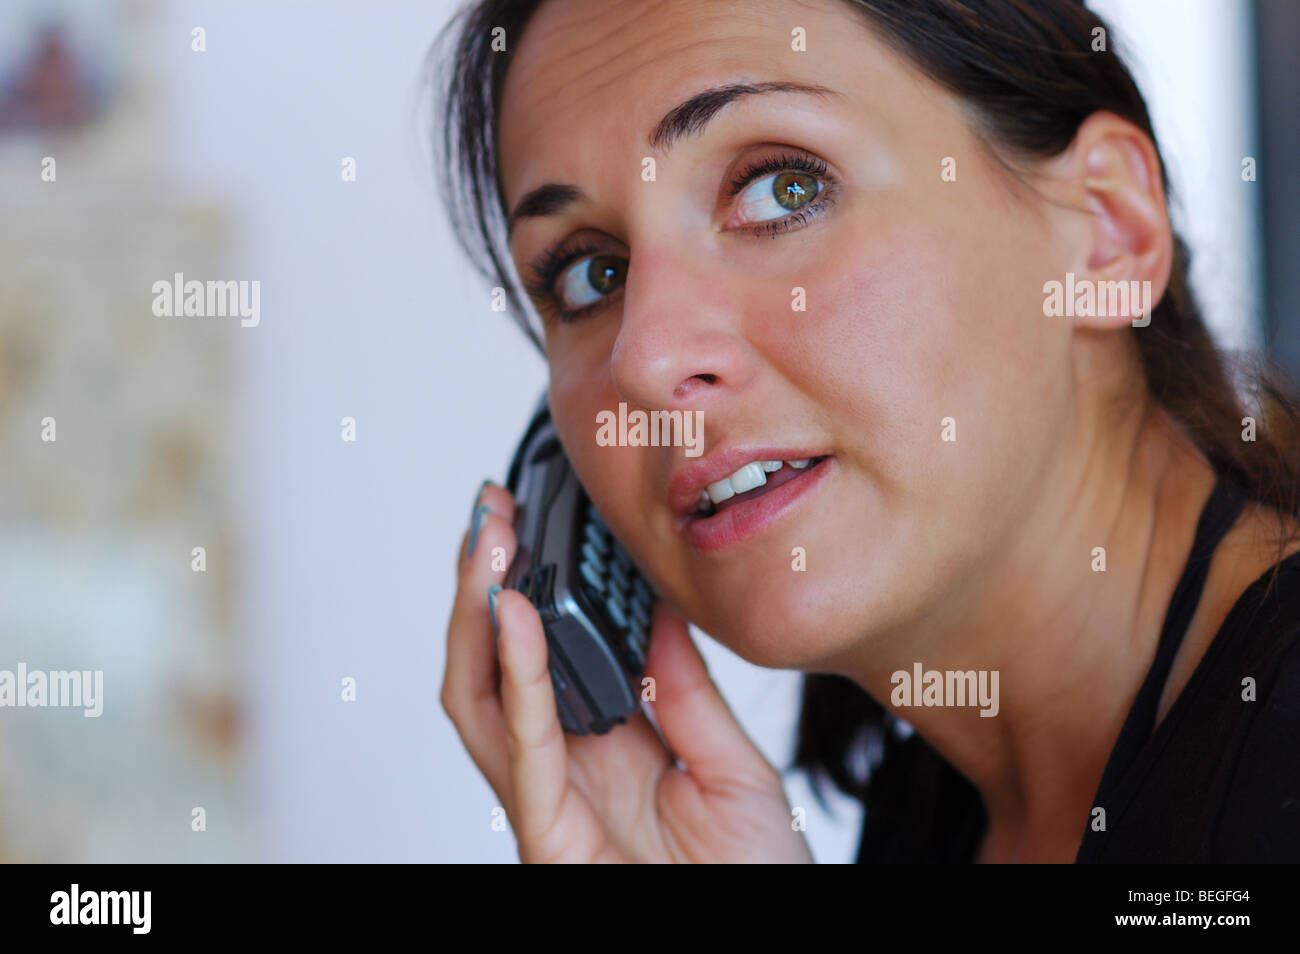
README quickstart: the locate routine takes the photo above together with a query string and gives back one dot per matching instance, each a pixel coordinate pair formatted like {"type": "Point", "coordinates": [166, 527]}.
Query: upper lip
{"type": "Point", "coordinates": [685, 486]}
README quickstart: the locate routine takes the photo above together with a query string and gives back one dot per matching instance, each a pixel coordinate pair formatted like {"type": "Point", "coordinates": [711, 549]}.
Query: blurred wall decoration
{"type": "Point", "coordinates": [114, 435]}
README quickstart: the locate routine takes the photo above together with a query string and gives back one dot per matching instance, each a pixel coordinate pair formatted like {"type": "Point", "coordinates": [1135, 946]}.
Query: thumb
{"type": "Point", "coordinates": [694, 718]}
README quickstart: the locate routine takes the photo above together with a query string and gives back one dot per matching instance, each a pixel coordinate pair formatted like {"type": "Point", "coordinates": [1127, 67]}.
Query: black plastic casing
{"type": "Point", "coordinates": [593, 603]}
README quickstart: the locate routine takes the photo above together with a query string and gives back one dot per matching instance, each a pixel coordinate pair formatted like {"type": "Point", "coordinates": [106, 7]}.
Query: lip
{"type": "Point", "coordinates": [685, 486]}
{"type": "Point", "coordinates": [741, 521]}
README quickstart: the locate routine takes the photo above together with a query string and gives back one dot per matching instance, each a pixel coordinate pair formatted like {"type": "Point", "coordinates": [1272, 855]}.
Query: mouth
{"type": "Point", "coordinates": [750, 482]}
{"type": "Point", "coordinates": [737, 506]}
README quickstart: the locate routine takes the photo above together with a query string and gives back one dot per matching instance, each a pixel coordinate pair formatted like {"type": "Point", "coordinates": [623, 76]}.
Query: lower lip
{"type": "Point", "coordinates": [741, 521]}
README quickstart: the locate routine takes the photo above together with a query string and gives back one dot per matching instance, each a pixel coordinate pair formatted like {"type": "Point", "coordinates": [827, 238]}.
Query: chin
{"type": "Point", "coordinates": [821, 621]}
{"type": "Point", "coordinates": [781, 627]}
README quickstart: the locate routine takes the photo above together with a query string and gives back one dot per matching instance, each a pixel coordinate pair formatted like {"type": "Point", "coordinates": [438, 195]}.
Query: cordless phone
{"type": "Point", "coordinates": [593, 603]}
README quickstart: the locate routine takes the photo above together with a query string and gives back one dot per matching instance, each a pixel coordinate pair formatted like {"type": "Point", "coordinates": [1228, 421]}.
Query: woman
{"type": "Point", "coordinates": [842, 231]}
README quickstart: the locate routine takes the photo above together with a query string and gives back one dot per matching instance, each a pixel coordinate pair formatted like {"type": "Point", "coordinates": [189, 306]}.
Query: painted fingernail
{"type": "Point", "coordinates": [479, 496]}
{"type": "Point", "coordinates": [493, 590]}
{"type": "Point", "coordinates": [481, 511]}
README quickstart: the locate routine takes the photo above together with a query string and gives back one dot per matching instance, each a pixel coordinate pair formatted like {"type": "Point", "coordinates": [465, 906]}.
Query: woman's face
{"type": "Point", "coordinates": [922, 302]}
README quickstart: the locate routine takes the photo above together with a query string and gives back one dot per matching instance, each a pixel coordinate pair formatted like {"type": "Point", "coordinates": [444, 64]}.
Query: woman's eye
{"type": "Point", "coordinates": [574, 283]}
{"type": "Point", "coordinates": [776, 195]}
{"type": "Point", "coordinates": [590, 279]}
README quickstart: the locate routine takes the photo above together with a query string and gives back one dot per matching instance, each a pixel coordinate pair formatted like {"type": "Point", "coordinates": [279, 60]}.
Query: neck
{"type": "Point", "coordinates": [1071, 643]}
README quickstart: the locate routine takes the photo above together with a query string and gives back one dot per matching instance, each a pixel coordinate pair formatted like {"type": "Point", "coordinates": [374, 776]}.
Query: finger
{"type": "Point", "coordinates": [498, 500]}
{"type": "Point", "coordinates": [538, 758]}
{"type": "Point", "coordinates": [469, 691]}
{"type": "Point", "coordinates": [693, 716]}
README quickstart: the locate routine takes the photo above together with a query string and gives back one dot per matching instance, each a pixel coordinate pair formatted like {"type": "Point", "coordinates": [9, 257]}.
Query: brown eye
{"type": "Point", "coordinates": [794, 190]}
{"type": "Point", "coordinates": [590, 279]}
{"type": "Point", "coordinates": [606, 272]}
{"type": "Point", "coordinates": [774, 196]}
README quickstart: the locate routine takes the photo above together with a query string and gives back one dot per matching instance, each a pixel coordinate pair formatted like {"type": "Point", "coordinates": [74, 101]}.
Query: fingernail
{"type": "Point", "coordinates": [479, 513]}
{"type": "Point", "coordinates": [493, 590]}
{"type": "Point", "coordinates": [478, 496]}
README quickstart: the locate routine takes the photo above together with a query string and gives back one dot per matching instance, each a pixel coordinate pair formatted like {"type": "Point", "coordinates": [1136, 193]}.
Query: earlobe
{"type": "Point", "coordinates": [1129, 238]}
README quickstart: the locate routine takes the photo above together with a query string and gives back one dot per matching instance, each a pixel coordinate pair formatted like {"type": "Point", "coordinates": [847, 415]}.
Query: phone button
{"type": "Point", "coordinates": [592, 577]}
{"type": "Point", "coordinates": [558, 679]}
{"type": "Point", "coordinates": [635, 655]}
{"type": "Point", "coordinates": [596, 538]}
{"type": "Point", "coordinates": [617, 610]}
{"type": "Point", "coordinates": [592, 556]}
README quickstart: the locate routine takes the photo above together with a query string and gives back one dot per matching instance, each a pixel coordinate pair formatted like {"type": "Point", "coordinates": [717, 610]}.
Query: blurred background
{"type": "Point", "coordinates": [326, 560]}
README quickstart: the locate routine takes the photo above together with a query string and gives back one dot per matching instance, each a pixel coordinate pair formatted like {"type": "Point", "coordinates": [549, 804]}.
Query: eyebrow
{"type": "Point", "coordinates": [688, 118]}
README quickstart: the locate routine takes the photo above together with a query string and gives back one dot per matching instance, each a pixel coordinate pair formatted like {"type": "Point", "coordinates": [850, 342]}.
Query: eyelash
{"type": "Point", "coordinates": [549, 265]}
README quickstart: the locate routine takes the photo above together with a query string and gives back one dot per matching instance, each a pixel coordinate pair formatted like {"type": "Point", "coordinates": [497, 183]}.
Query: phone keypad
{"type": "Point", "coordinates": [613, 580]}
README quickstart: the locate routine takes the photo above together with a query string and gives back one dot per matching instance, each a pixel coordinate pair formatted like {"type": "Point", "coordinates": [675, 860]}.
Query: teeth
{"type": "Point", "coordinates": [749, 477]}
{"type": "Point", "coordinates": [722, 490]}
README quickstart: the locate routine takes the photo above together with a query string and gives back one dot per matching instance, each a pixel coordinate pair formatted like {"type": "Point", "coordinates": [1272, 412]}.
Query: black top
{"type": "Point", "coordinates": [1218, 781]}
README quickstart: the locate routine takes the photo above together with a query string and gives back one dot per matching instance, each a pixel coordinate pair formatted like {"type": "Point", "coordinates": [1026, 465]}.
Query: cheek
{"type": "Point", "coordinates": [616, 478]}
{"type": "Point", "coordinates": [910, 325]}
{"type": "Point", "coordinates": [877, 348]}
{"type": "Point", "coordinates": [576, 399]}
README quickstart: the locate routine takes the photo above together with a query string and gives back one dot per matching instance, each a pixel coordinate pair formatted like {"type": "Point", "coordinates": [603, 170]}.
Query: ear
{"type": "Point", "coordinates": [1113, 169]}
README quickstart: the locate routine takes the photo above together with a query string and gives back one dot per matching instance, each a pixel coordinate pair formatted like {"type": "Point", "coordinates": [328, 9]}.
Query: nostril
{"type": "Point", "coordinates": [696, 384]}
{"type": "Point", "coordinates": [694, 381]}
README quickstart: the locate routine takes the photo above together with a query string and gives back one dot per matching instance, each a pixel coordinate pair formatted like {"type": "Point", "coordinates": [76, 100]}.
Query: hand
{"type": "Point", "coordinates": [618, 797]}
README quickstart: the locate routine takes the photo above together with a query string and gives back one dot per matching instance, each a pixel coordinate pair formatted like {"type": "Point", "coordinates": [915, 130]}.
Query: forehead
{"type": "Point", "coordinates": [603, 72]}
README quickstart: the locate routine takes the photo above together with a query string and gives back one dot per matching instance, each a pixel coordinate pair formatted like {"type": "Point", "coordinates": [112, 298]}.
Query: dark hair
{"type": "Point", "coordinates": [1030, 73]}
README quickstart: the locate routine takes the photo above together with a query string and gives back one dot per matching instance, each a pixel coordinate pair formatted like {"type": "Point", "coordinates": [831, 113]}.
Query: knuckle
{"type": "Point", "coordinates": [524, 734]}
{"type": "Point", "coordinates": [451, 703]}
{"type": "Point", "coordinates": [556, 842]}
{"type": "Point", "coordinates": [552, 734]}
{"type": "Point", "coordinates": [515, 738]}
{"type": "Point", "coordinates": [539, 848]}
{"type": "Point", "coordinates": [765, 778]}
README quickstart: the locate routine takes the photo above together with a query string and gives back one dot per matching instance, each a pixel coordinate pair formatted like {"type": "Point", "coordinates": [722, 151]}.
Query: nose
{"type": "Point", "coordinates": [680, 341]}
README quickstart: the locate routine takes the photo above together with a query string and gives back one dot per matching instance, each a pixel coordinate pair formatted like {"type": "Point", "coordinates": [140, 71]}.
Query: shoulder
{"type": "Point", "coordinates": [1241, 596]}
{"type": "Point", "coordinates": [1259, 819]}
